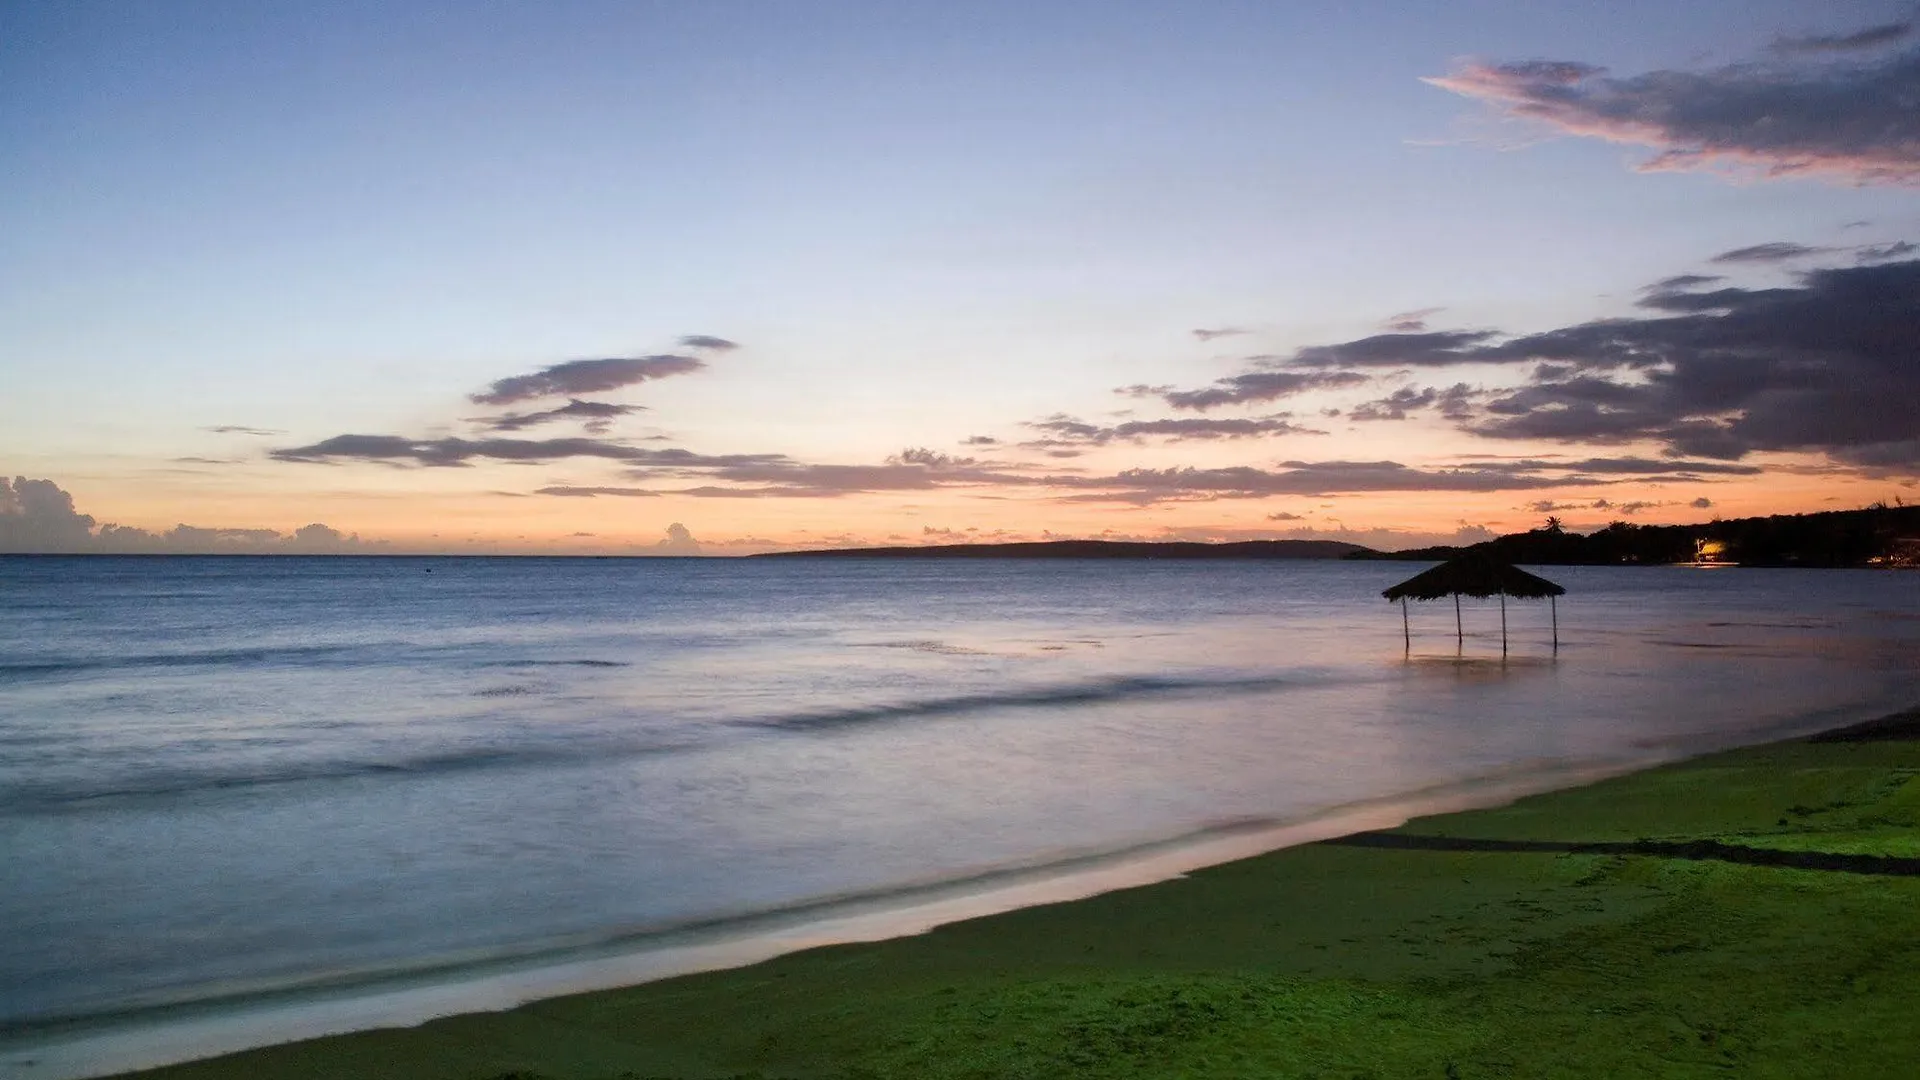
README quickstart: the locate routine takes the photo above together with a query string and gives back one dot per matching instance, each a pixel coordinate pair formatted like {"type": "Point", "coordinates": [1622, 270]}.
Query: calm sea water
{"type": "Point", "coordinates": [227, 774]}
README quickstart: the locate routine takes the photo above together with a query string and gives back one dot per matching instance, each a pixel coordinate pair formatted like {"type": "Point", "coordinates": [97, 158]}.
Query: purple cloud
{"type": "Point", "coordinates": [1853, 121]}
{"type": "Point", "coordinates": [585, 377]}
{"type": "Point", "coordinates": [599, 416]}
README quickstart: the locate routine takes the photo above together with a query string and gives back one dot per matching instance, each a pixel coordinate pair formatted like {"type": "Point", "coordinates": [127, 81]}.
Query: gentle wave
{"type": "Point", "coordinates": [20, 670]}
{"type": "Point", "coordinates": [209, 658]}
{"type": "Point", "coordinates": [31, 796]}
{"type": "Point", "coordinates": [1071, 694]}
{"type": "Point", "coordinates": [263, 990]}
{"type": "Point", "coordinates": [588, 663]}
{"type": "Point", "coordinates": [1492, 786]}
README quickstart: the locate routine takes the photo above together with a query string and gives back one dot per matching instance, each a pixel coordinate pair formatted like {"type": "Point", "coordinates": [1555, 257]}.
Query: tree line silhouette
{"type": "Point", "coordinates": [1878, 535]}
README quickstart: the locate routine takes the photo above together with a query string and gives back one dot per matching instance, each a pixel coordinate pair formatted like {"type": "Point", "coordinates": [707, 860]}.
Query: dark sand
{"type": "Point", "coordinates": [1751, 913]}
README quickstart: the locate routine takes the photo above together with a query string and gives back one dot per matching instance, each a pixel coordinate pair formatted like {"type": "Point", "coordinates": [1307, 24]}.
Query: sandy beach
{"type": "Point", "coordinates": [1750, 910]}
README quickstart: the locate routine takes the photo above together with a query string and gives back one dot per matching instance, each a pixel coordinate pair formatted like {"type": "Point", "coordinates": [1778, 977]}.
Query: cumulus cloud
{"type": "Point", "coordinates": [708, 342]}
{"type": "Point", "coordinates": [678, 541]}
{"type": "Point", "coordinates": [1628, 509]}
{"type": "Point", "coordinates": [1850, 119]}
{"type": "Point", "coordinates": [1701, 503]}
{"type": "Point", "coordinates": [585, 377]}
{"type": "Point", "coordinates": [932, 459]}
{"type": "Point", "coordinates": [38, 517]}
{"type": "Point", "coordinates": [1453, 403]}
{"type": "Point", "coordinates": [980, 440]}
{"type": "Point", "coordinates": [598, 416]}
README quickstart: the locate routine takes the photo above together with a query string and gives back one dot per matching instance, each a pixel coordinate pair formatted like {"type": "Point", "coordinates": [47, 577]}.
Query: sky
{"type": "Point", "coordinates": [636, 278]}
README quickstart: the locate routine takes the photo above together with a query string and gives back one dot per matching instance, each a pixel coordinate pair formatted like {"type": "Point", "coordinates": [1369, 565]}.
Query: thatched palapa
{"type": "Point", "coordinates": [1479, 576]}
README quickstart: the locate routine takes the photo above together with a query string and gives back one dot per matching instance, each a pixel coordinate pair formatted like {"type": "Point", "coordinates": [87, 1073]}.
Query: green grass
{"type": "Point", "coordinates": [1322, 961]}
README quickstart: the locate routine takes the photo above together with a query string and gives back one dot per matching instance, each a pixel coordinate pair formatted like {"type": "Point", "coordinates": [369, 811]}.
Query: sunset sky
{"type": "Point", "coordinates": [565, 277]}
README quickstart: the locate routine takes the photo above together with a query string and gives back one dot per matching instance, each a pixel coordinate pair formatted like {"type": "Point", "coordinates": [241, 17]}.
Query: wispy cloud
{"type": "Point", "coordinates": [598, 416]}
{"type": "Point", "coordinates": [1411, 322]}
{"type": "Point", "coordinates": [1777, 251]}
{"type": "Point", "coordinates": [1431, 349]}
{"type": "Point", "coordinates": [452, 451]}
{"type": "Point", "coordinates": [568, 491]}
{"type": "Point", "coordinates": [1679, 282]}
{"type": "Point", "coordinates": [1873, 37]}
{"type": "Point", "coordinates": [585, 377]}
{"type": "Point", "coordinates": [1255, 386]}
{"type": "Point", "coordinates": [1314, 478]}
{"type": "Point", "coordinates": [1064, 430]}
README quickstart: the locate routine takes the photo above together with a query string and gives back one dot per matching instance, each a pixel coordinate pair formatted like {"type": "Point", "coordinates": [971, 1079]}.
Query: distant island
{"type": "Point", "coordinates": [1874, 536]}
{"type": "Point", "coordinates": [1099, 549]}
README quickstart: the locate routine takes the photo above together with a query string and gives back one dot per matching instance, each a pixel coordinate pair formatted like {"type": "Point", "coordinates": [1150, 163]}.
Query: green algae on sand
{"type": "Point", "coordinates": [1618, 943]}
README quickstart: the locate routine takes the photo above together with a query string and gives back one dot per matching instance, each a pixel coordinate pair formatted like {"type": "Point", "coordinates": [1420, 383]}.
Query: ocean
{"type": "Point", "coordinates": [222, 777]}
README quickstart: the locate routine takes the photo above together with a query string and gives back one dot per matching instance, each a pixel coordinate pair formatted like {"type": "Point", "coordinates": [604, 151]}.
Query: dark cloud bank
{"type": "Point", "coordinates": [1830, 365]}
{"type": "Point", "coordinates": [1839, 106]}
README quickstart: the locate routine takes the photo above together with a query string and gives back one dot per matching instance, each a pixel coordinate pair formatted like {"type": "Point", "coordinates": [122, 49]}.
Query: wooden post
{"type": "Point", "coordinates": [1503, 624]}
{"type": "Point", "coordinates": [1459, 635]}
{"type": "Point", "coordinates": [1406, 631]}
{"type": "Point", "coordinates": [1555, 609]}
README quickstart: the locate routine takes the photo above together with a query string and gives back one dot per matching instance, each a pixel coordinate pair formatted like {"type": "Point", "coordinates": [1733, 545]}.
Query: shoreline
{"type": "Point", "coordinates": [197, 1031]}
{"type": "Point", "coordinates": [112, 1044]}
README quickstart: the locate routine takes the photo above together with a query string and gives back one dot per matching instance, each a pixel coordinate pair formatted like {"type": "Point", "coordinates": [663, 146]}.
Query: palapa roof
{"type": "Point", "coordinates": [1475, 575]}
